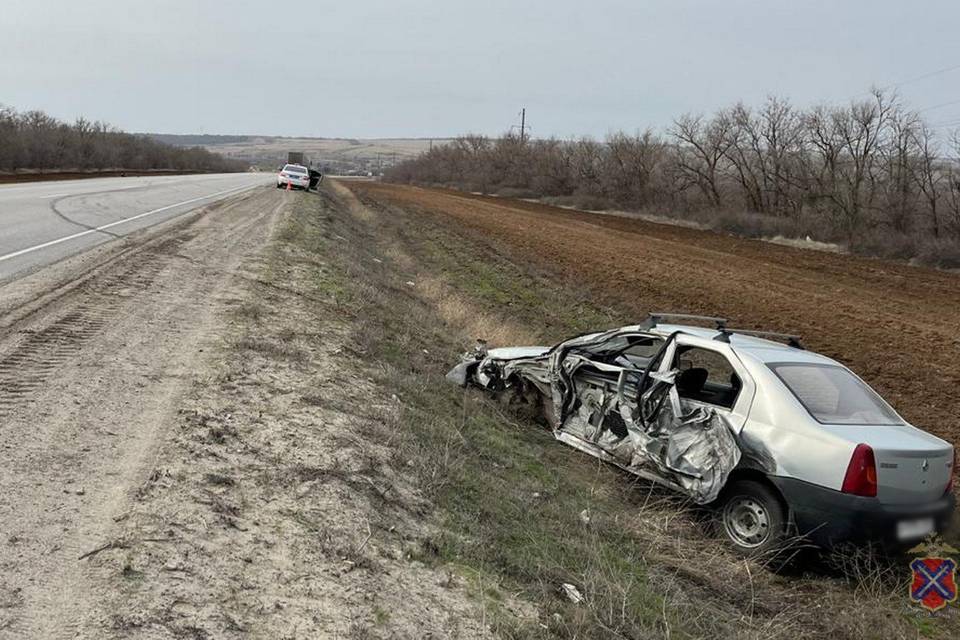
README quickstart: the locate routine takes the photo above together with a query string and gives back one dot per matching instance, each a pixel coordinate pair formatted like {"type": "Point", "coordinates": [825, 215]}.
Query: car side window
{"type": "Point", "coordinates": [706, 376]}
{"type": "Point", "coordinates": [643, 348]}
{"type": "Point", "coordinates": [637, 351]}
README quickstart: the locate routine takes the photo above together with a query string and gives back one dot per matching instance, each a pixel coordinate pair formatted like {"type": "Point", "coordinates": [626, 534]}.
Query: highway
{"type": "Point", "coordinates": [43, 222]}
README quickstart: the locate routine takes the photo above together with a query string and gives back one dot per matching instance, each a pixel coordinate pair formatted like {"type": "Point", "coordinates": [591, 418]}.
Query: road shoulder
{"type": "Point", "coordinates": [275, 508]}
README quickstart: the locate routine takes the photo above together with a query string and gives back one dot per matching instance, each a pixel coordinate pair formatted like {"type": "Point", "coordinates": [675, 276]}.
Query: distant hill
{"type": "Point", "coordinates": [192, 140]}
{"type": "Point", "coordinates": [335, 155]}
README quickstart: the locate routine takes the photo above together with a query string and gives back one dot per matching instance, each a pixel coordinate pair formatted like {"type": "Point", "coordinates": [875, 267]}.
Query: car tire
{"type": "Point", "coordinates": [752, 519]}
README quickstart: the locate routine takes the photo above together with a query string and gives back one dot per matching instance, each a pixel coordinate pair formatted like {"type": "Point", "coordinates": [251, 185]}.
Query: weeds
{"type": "Point", "coordinates": [250, 311]}
{"type": "Point", "coordinates": [284, 347]}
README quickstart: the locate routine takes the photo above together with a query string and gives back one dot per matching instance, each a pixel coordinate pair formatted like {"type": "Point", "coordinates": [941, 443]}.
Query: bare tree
{"type": "Point", "coordinates": [929, 174]}
{"type": "Point", "coordinates": [764, 152]}
{"type": "Point", "coordinates": [897, 173]}
{"type": "Point", "coordinates": [701, 149]}
{"type": "Point", "coordinates": [588, 165]}
{"type": "Point", "coordinates": [844, 144]}
{"type": "Point", "coordinates": [951, 174]}
{"type": "Point", "coordinates": [630, 167]}
{"type": "Point", "coordinates": [553, 168]}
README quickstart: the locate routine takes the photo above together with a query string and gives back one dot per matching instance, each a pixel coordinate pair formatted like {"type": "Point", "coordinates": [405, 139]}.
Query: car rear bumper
{"type": "Point", "coordinates": [827, 517]}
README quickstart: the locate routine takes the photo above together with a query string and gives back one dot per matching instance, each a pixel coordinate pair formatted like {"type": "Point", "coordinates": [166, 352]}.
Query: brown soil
{"type": "Point", "coordinates": [896, 325]}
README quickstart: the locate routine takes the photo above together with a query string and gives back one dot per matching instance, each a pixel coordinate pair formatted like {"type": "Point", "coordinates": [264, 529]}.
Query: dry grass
{"type": "Point", "coordinates": [509, 497]}
{"type": "Point", "coordinates": [287, 348]}
{"type": "Point", "coordinates": [455, 310]}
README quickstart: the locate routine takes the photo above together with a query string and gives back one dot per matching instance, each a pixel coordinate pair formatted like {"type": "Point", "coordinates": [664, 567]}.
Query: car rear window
{"type": "Point", "coordinates": [292, 169]}
{"type": "Point", "coordinates": [833, 395]}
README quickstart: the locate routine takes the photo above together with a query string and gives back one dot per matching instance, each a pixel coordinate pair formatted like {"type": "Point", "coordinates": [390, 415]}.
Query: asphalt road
{"type": "Point", "coordinates": [43, 222]}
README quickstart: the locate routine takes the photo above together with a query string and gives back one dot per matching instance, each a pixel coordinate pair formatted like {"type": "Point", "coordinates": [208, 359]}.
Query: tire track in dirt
{"type": "Point", "coordinates": [894, 324]}
{"type": "Point", "coordinates": [88, 384]}
{"type": "Point", "coordinates": [34, 359]}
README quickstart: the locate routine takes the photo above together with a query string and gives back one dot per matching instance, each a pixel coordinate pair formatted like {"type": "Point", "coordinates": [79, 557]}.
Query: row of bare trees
{"type": "Point", "coordinates": [871, 174]}
{"type": "Point", "coordinates": [35, 141]}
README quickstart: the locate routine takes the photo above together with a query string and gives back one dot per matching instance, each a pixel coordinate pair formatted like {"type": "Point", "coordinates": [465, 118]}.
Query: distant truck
{"type": "Point", "coordinates": [296, 157]}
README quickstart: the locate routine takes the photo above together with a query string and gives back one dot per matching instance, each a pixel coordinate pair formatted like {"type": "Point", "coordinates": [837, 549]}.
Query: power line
{"type": "Point", "coordinates": [937, 106]}
{"type": "Point", "coordinates": [943, 125]}
{"type": "Point", "coordinates": [923, 76]}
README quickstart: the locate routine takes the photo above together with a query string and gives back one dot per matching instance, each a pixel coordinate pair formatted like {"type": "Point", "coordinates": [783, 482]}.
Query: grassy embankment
{"type": "Point", "coordinates": [516, 513]}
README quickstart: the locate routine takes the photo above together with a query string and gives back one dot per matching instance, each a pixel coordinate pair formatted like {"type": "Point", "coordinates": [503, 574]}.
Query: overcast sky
{"type": "Point", "coordinates": [435, 68]}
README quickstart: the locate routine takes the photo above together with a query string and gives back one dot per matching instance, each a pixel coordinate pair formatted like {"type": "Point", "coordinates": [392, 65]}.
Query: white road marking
{"type": "Point", "coordinates": [51, 243]}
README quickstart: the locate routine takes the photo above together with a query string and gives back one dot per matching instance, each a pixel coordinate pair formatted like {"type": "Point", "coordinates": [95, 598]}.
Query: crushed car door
{"type": "Point", "coordinates": [679, 425]}
{"type": "Point", "coordinates": [710, 375]}
{"type": "Point", "coordinates": [594, 375]}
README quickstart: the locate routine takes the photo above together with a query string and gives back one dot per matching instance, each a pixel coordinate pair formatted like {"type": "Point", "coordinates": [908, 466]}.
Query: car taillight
{"type": "Point", "coordinates": [953, 471]}
{"type": "Point", "coordinates": [861, 478]}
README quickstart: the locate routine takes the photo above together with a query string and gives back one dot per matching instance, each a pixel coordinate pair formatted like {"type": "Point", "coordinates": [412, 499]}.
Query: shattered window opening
{"type": "Point", "coordinates": [706, 376]}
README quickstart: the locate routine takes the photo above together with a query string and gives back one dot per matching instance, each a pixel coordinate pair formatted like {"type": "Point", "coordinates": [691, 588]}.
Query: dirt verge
{"type": "Point", "coordinates": [89, 369]}
{"type": "Point", "coordinates": [274, 508]}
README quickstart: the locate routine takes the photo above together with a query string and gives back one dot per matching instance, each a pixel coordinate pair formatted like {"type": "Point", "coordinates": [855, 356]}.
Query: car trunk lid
{"type": "Point", "coordinates": [912, 465]}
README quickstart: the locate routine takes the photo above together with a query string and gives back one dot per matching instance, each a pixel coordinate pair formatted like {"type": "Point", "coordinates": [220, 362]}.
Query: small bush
{"type": "Point", "coordinates": [939, 252]}
{"type": "Point", "coordinates": [885, 244]}
{"type": "Point", "coordinates": [751, 225]}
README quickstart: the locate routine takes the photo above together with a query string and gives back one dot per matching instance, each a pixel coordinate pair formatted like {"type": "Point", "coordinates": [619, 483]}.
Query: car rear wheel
{"type": "Point", "coordinates": [752, 518]}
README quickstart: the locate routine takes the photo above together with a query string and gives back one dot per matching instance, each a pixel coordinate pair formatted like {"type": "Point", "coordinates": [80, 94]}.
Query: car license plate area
{"type": "Point", "coordinates": [914, 529]}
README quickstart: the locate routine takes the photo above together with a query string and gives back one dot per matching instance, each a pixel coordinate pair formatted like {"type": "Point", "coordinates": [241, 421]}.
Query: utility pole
{"type": "Point", "coordinates": [523, 122]}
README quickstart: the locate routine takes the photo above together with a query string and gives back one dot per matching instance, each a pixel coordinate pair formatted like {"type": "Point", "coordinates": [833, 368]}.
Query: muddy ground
{"type": "Point", "coordinates": [898, 326]}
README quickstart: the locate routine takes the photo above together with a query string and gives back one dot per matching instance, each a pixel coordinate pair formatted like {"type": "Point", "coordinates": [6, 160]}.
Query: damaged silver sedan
{"type": "Point", "coordinates": [782, 441]}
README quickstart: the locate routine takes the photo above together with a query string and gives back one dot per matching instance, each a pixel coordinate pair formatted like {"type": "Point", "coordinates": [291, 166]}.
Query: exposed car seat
{"type": "Point", "coordinates": [690, 382]}
{"type": "Point", "coordinates": [735, 383]}
{"type": "Point", "coordinates": [727, 398]}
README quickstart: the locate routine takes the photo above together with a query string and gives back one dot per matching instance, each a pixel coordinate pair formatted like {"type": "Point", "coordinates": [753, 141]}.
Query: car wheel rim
{"type": "Point", "coordinates": [746, 521]}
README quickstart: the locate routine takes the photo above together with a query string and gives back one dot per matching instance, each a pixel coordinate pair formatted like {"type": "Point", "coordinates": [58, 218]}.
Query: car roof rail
{"type": "Point", "coordinates": [791, 339]}
{"type": "Point", "coordinates": [653, 319]}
